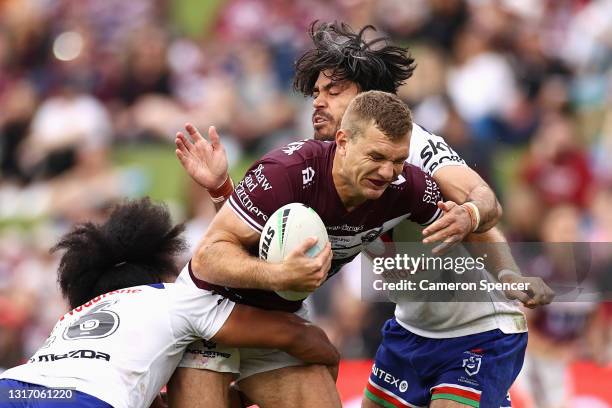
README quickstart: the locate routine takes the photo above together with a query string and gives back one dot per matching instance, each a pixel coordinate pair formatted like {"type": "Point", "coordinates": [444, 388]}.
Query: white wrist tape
{"type": "Point", "coordinates": [475, 213]}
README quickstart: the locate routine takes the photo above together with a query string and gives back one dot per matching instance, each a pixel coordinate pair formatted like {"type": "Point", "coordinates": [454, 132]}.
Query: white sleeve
{"type": "Point", "coordinates": [430, 152]}
{"type": "Point", "coordinates": [197, 312]}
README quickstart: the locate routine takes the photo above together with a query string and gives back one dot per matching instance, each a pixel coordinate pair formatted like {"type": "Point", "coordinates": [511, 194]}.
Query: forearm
{"type": "Point", "coordinates": [494, 248]}
{"type": "Point", "coordinates": [227, 264]}
{"type": "Point", "coordinates": [498, 260]}
{"type": "Point", "coordinates": [222, 193]}
{"type": "Point", "coordinates": [253, 327]}
{"type": "Point", "coordinates": [462, 184]}
{"type": "Point", "coordinates": [490, 209]}
{"type": "Point", "coordinates": [219, 204]}
{"type": "Point", "coordinates": [311, 345]}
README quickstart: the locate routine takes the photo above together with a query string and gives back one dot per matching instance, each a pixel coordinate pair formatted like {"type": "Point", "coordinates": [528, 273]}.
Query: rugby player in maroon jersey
{"type": "Point", "coordinates": [361, 187]}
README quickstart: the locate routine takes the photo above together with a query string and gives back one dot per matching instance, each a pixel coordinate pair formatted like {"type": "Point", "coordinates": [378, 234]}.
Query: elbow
{"type": "Point", "coordinates": [310, 344]}
{"type": "Point", "coordinates": [201, 258]}
{"type": "Point", "coordinates": [335, 356]}
{"type": "Point", "coordinates": [295, 335]}
{"type": "Point", "coordinates": [315, 338]}
{"type": "Point", "coordinates": [493, 217]}
{"type": "Point", "coordinates": [290, 340]}
{"type": "Point", "coordinates": [493, 212]}
{"type": "Point", "coordinates": [494, 209]}
{"type": "Point", "coordinates": [498, 211]}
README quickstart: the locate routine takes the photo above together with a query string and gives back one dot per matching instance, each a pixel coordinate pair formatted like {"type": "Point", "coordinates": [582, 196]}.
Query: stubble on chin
{"type": "Point", "coordinates": [324, 136]}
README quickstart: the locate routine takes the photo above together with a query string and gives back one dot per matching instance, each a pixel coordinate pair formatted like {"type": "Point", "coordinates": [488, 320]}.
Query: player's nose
{"type": "Point", "coordinates": [319, 101]}
{"type": "Point", "coordinates": [386, 171]}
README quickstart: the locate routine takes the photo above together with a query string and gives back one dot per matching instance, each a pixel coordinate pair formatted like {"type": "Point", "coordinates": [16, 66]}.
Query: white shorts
{"type": "Point", "coordinates": [245, 362]}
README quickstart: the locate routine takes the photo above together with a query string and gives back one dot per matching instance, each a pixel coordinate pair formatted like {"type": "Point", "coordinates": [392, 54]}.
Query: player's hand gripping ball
{"type": "Point", "coordinates": [287, 228]}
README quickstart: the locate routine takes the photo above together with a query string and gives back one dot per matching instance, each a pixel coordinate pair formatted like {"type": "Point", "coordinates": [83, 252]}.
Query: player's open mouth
{"type": "Point", "coordinates": [319, 121]}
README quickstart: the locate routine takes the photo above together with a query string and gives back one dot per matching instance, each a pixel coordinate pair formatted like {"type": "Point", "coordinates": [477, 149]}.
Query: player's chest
{"type": "Point", "coordinates": [349, 237]}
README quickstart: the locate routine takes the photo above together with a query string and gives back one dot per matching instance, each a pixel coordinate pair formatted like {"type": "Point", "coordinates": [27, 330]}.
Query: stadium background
{"type": "Point", "coordinates": [93, 91]}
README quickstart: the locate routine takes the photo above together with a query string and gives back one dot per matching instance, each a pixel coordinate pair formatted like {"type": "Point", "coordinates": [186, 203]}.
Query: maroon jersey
{"type": "Point", "coordinates": [302, 172]}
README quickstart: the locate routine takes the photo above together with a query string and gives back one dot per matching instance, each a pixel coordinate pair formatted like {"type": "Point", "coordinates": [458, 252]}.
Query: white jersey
{"type": "Point", "coordinates": [430, 153]}
{"type": "Point", "coordinates": [122, 347]}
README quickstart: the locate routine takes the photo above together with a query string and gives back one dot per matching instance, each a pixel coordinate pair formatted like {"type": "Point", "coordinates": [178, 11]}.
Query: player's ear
{"type": "Point", "coordinates": [341, 141]}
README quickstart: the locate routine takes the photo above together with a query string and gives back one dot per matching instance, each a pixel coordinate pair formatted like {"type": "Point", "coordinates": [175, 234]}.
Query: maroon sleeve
{"type": "Point", "coordinates": [424, 196]}
{"type": "Point", "coordinates": [264, 189]}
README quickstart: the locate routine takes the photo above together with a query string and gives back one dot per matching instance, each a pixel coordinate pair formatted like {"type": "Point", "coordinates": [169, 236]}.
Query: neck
{"type": "Point", "coordinates": [344, 187]}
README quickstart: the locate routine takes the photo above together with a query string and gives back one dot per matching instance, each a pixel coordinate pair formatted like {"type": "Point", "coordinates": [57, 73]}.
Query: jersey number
{"type": "Point", "coordinates": [95, 324]}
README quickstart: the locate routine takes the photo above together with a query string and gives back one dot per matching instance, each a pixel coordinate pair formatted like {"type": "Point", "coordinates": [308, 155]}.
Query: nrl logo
{"type": "Point", "coordinates": [292, 148]}
{"type": "Point", "coordinates": [472, 364]}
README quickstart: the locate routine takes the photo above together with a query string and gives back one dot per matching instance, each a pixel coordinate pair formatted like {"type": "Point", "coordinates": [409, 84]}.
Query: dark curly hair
{"type": "Point", "coordinates": [135, 246]}
{"type": "Point", "coordinates": [372, 66]}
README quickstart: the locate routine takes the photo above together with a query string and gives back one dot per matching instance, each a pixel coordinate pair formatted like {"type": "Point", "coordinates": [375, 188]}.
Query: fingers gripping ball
{"type": "Point", "coordinates": [286, 229]}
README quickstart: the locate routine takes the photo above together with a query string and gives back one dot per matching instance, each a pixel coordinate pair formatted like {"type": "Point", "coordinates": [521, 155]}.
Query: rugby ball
{"type": "Point", "coordinates": [287, 228]}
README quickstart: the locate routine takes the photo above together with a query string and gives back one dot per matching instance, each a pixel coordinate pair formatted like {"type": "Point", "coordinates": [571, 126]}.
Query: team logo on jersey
{"type": "Point", "coordinates": [307, 175]}
{"type": "Point", "coordinates": [472, 363]}
{"type": "Point", "coordinates": [293, 147]}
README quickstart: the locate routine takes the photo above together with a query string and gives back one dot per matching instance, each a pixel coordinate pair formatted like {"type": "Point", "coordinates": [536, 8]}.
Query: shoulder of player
{"type": "Point", "coordinates": [421, 135]}
{"type": "Point", "coordinates": [298, 152]}
{"type": "Point", "coordinates": [411, 172]}
{"type": "Point", "coordinates": [295, 157]}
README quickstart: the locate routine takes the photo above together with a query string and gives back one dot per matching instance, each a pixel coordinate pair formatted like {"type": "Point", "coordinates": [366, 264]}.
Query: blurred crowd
{"type": "Point", "coordinates": [522, 89]}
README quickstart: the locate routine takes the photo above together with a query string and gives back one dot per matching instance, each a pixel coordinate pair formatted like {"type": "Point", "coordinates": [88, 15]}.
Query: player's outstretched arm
{"type": "Point", "coordinates": [462, 184]}
{"type": "Point", "coordinates": [493, 247]}
{"type": "Point", "coordinates": [205, 161]}
{"type": "Point", "coordinates": [221, 259]}
{"type": "Point", "coordinates": [252, 327]}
